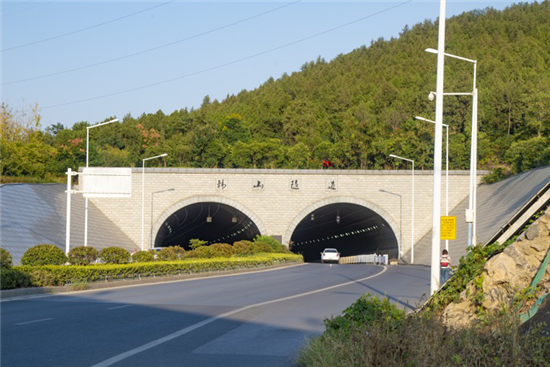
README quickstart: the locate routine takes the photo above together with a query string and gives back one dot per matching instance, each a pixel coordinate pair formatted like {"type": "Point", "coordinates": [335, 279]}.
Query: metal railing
{"type": "Point", "coordinates": [365, 259]}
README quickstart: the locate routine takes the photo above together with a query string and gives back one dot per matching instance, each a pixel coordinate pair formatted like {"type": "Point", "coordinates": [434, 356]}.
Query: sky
{"type": "Point", "coordinates": [90, 61]}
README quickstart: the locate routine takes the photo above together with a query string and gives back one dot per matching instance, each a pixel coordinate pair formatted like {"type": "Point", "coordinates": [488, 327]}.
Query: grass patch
{"type": "Point", "coordinates": [385, 338]}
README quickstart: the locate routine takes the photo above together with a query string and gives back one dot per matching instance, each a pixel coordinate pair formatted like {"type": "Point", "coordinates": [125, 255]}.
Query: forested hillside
{"type": "Point", "coordinates": [354, 110]}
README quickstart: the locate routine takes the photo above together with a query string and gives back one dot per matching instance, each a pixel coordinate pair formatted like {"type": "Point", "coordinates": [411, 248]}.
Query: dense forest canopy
{"type": "Point", "coordinates": [353, 111]}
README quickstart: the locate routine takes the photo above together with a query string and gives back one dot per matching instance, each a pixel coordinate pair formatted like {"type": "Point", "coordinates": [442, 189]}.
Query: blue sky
{"type": "Point", "coordinates": [143, 56]}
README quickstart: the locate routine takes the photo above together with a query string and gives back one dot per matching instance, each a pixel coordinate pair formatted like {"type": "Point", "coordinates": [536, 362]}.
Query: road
{"type": "Point", "coordinates": [252, 319]}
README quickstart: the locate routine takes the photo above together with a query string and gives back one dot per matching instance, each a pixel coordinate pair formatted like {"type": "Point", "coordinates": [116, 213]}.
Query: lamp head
{"type": "Point", "coordinates": [431, 50]}
{"type": "Point", "coordinates": [431, 96]}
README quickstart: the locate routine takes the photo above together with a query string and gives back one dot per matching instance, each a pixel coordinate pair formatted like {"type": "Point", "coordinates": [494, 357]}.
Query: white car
{"type": "Point", "coordinates": [330, 254]}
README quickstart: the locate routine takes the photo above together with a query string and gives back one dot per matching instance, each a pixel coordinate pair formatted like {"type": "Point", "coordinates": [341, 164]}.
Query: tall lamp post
{"type": "Point", "coordinates": [87, 159]}
{"type": "Point", "coordinates": [143, 197]}
{"type": "Point", "coordinates": [446, 169]}
{"type": "Point", "coordinates": [471, 212]}
{"type": "Point", "coordinates": [412, 206]}
{"type": "Point", "coordinates": [436, 204]}
{"type": "Point", "coordinates": [152, 199]}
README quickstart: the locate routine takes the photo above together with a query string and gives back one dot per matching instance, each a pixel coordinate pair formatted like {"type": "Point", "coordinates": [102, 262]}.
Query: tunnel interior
{"type": "Point", "coordinates": [208, 221]}
{"type": "Point", "coordinates": [350, 228]}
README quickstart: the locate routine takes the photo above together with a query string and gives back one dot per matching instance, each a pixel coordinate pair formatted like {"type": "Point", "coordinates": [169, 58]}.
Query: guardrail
{"type": "Point", "coordinates": [365, 259]}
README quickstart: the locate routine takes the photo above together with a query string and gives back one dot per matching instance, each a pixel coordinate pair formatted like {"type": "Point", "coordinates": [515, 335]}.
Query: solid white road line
{"type": "Point", "coordinates": [188, 329]}
{"type": "Point", "coordinates": [33, 321]}
{"type": "Point", "coordinates": [117, 307]}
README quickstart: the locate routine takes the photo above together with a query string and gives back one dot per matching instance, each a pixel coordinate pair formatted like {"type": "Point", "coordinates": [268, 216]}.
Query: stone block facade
{"type": "Point", "coordinates": [277, 200]}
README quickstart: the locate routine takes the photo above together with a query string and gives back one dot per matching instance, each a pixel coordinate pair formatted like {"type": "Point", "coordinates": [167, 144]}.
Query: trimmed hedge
{"type": "Point", "coordinates": [143, 257]}
{"type": "Point", "coordinates": [243, 248]}
{"type": "Point", "coordinates": [14, 278]}
{"type": "Point", "coordinates": [6, 261]}
{"type": "Point", "coordinates": [171, 253]}
{"type": "Point", "coordinates": [44, 254]}
{"type": "Point", "coordinates": [82, 255]}
{"type": "Point", "coordinates": [51, 275]}
{"type": "Point", "coordinates": [114, 255]}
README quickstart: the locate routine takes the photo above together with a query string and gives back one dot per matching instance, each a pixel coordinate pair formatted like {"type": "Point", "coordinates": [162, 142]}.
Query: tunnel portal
{"type": "Point", "coordinates": [207, 221]}
{"type": "Point", "coordinates": [350, 228]}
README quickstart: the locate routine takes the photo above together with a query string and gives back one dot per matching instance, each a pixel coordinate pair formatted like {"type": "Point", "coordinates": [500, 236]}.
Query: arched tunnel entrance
{"type": "Point", "coordinates": [350, 228]}
{"type": "Point", "coordinates": [207, 221]}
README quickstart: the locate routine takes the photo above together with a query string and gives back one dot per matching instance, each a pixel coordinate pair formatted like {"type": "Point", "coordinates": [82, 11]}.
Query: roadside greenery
{"type": "Point", "coordinates": [55, 275]}
{"type": "Point", "coordinates": [82, 255]}
{"type": "Point", "coordinates": [44, 254]}
{"type": "Point", "coordinates": [350, 111]}
{"type": "Point", "coordinates": [382, 335]}
{"type": "Point", "coordinates": [6, 261]}
{"type": "Point", "coordinates": [46, 269]}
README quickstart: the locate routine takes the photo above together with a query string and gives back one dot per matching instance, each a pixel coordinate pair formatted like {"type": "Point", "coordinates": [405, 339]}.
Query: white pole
{"type": "Point", "coordinates": [474, 159]}
{"type": "Point", "coordinates": [68, 219]}
{"type": "Point", "coordinates": [412, 217]}
{"type": "Point", "coordinates": [142, 202]}
{"type": "Point", "coordinates": [436, 208]}
{"type": "Point", "coordinates": [151, 223]}
{"type": "Point", "coordinates": [143, 198]}
{"type": "Point", "coordinates": [412, 205]}
{"type": "Point", "coordinates": [447, 180]}
{"type": "Point", "coordinates": [86, 200]}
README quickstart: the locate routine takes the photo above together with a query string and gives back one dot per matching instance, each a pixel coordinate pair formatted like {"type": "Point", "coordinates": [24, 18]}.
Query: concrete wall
{"type": "Point", "coordinates": [277, 200]}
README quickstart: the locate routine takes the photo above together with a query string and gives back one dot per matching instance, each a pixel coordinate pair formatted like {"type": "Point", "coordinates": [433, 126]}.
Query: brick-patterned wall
{"type": "Point", "coordinates": [278, 206]}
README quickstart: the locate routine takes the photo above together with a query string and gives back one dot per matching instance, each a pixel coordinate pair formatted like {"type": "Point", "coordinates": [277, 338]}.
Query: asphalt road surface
{"type": "Point", "coordinates": [252, 319]}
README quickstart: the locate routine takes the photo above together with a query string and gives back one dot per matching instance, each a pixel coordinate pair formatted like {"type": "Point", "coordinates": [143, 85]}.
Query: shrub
{"type": "Point", "coordinates": [82, 255]}
{"type": "Point", "coordinates": [203, 252]}
{"type": "Point", "coordinates": [171, 253]}
{"type": "Point", "coordinates": [222, 249]}
{"type": "Point", "coordinates": [44, 255]}
{"type": "Point", "coordinates": [275, 245]}
{"type": "Point", "coordinates": [243, 248]}
{"type": "Point", "coordinates": [43, 278]}
{"type": "Point", "coordinates": [54, 275]}
{"type": "Point", "coordinates": [114, 255]}
{"type": "Point", "coordinates": [261, 247]}
{"type": "Point", "coordinates": [13, 278]}
{"type": "Point", "coordinates": [6, 261]}
{"type": "Point", "coordinates": [143, 256]}
{"type": "Point", "coordinates": [195, 243]}
{"type": "Point", "coordinates": [423, 340]}
{"type": "Point", "coordinates": [364, 312]}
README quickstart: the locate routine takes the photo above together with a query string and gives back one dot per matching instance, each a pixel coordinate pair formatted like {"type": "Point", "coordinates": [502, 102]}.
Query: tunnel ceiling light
{"type": "Point", "coordinates": [312, 217]}
{"type": "Point", "coordinates": [233, 219]}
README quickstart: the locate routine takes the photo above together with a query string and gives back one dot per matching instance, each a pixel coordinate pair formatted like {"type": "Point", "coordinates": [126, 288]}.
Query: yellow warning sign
{"type": "Point", "coordinates": [448, 228]}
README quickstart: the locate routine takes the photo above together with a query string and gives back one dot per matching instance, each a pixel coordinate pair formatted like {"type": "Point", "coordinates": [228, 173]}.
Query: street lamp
{"type": "Point", "coordinates": [412, 206]}
{"type": "Point", "coordinates": [446, 169]}
{"type": "Point", "coordinates": [152, 198]}
{"type": "Point", "coordinates": [86, 201]}
{"type": "Point", "coordinates": [436, 203]}
{"type": "Point", "coordinates": [400, 218]}
{"type": "Point", "coordinates": [143, 196]}
{"type": "Point", "coordinates": [471, 212]}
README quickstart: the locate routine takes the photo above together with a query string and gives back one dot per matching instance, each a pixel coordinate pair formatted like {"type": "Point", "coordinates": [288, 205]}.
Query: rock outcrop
{"type": "Point", "coordinates": [505, 274]}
